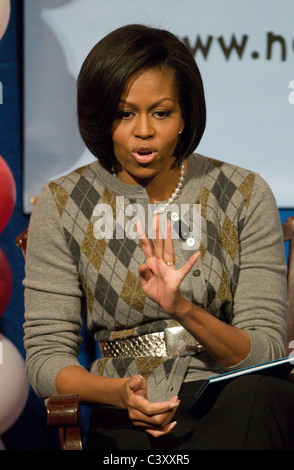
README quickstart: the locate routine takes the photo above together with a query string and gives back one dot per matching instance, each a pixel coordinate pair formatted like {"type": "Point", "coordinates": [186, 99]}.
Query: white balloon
{"type": "Point", "coordinates": [14, 386]}
{"type": "Point", "coordinates": [4, 16]}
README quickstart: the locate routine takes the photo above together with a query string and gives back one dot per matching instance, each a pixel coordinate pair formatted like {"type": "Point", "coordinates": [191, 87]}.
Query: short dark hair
{"type": "Point", "coordinates": [105, 71]}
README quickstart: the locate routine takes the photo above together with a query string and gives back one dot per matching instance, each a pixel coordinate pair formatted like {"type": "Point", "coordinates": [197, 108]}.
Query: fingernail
{"type": "Point", "coordinates": [172, 425]}
{"type": "Point", "coordinates": [174, 404]}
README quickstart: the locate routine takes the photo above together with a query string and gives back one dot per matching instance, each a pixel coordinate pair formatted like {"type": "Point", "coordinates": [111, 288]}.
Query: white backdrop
{"type": "Point", "coordinates": [245, 52]}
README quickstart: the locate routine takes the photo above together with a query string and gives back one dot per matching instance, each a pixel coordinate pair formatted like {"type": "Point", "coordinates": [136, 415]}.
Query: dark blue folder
{"type": "Point", "coordinates": [210, 389]}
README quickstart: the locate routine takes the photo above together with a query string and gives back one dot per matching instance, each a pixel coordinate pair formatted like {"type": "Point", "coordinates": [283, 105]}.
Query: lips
{"type": "Point", "coordinates": [144, 154]}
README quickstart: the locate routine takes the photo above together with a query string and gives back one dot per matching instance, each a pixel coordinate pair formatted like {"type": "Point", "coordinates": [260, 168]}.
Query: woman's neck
{"type": "Point", "coordinates": [160, 186]}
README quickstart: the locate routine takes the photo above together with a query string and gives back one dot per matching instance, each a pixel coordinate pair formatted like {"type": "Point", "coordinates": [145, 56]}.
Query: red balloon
{"type": "Point", "coordinates": [7, 193]}
{"type": "Point", "coordinates": [5, 282]}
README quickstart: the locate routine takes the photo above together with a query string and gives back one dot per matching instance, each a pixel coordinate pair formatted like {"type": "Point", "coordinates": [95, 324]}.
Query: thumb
{"type": "Point", "coordinates": [144, 272]}
{"type": "Point", "coordinates": [138, 385]}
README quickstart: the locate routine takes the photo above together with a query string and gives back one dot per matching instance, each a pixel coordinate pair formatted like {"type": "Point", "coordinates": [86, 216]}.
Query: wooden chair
{"type": "Point", "coordinates": [288, 231]}
{"type": "Point", "coordinates": [63, 411]}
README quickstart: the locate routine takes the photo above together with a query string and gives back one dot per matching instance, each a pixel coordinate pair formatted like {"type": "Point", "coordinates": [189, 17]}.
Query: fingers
{"type": "Point", "coordinates": [158, 239]}
{"type": "Point", "coordinates": [147, 245]}
{"type": "Point", "coordinates": [169, 254]}
{"type": "Point", "coordinates": [143, 409]}
{"type": "Point", "coordinates": [158, 421]}
{"type": "Point", "coordinates": [154, 417]}
{"type": "Point", "coordinates": [161, 432]}
{"type": "Point", "coordinates": [162, 247]}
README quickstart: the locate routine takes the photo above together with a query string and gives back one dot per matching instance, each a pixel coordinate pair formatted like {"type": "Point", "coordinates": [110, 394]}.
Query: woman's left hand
{"type": "Point", "coordinates": [160, 280]}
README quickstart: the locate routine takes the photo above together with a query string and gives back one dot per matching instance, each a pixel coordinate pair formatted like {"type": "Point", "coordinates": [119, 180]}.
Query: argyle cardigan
{"type": "Point", "coordinates": [71, 273]}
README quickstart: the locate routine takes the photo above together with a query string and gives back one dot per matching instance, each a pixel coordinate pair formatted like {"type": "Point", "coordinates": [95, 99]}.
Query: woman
{"type": "Point", "coordinates": [167, 312]}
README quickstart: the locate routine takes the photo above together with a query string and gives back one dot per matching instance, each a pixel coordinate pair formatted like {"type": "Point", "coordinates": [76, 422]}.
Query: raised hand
{"type": "Point", "coordinates": [160, 280]}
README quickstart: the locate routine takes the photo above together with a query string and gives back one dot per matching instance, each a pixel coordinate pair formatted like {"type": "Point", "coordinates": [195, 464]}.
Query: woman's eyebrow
{"type": "Point", "coordinates": [157, 103]}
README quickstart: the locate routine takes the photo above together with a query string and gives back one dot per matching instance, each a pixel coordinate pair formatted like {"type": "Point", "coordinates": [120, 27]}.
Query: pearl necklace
{"type": "Point", "coordinates": [164, 207]}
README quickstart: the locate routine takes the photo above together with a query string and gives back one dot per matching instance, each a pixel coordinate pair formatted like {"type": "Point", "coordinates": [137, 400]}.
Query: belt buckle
{"type": "Point", "coordinates": [179, 342]}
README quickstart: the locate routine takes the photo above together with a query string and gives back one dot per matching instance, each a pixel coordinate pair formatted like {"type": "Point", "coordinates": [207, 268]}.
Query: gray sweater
{"type": "Point", "coordinates": [72, 273]}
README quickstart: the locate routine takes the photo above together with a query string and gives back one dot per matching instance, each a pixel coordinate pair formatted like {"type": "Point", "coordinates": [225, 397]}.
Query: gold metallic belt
{"type": "Point", "coordinates": [174, 341]}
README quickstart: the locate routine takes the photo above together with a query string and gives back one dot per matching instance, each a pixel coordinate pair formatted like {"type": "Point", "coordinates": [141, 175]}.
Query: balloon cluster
{"type": "Point", "coordinates": [7, 202]}
{"type": "Point", "coordinates": [13, 382]}
{"type": "Point", "coordinates": [7, 192]}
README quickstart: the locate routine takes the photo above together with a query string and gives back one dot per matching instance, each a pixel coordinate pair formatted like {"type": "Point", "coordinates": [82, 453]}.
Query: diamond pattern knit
{"type": "Point", "coordinates": [230, 198]}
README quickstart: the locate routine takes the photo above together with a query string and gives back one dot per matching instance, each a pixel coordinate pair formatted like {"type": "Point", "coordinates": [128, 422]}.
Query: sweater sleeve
{"type": "Point", "coordinates": [261, 295]}
{"type": "Point", "coordinates": [53, 297]}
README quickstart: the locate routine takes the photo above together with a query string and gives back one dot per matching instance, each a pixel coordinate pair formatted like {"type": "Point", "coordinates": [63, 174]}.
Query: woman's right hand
{"type": "Point", "coordinates": [127, 393]}
{"type": "Point", "coordinates": [155, 418]}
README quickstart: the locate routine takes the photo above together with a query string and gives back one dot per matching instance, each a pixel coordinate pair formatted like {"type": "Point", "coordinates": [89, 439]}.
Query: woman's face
{"type": "Point", "coordinates": [146, 130]}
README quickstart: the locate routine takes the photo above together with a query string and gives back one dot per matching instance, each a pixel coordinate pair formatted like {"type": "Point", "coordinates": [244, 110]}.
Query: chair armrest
{"type": "Point", "coordinates": [63, 412]}
{"type": "Point", "coordinates": [21, 241]}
